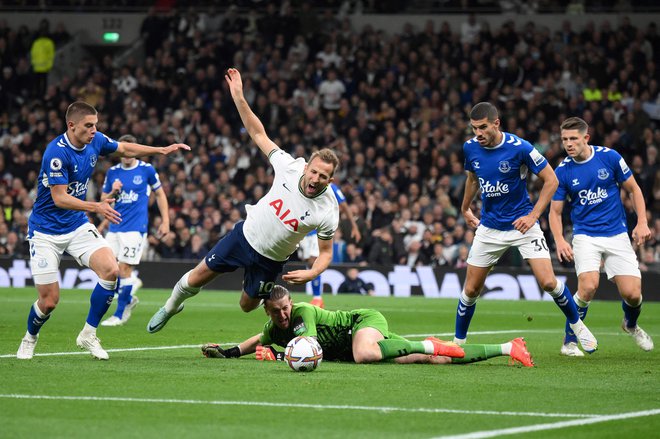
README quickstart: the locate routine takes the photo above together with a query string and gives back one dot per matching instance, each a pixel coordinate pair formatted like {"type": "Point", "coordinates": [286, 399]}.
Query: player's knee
{"type": "Point", "coordinates": [109, 272]}
{"type": "Point", "coordinates": [48, 304]}
{"type": "Point", "coordinates": [632, 298]}
{"type": "Point", "coordinates": [588, 290]}
{"type": "Point", "coordinates": [362, 356]}
{"type": "Point", "coordinates": [548, 284]}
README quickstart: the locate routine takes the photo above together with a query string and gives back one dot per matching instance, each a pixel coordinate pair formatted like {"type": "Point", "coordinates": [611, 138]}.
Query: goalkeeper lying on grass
{"type": "Point", "coordinates": [361, 336]}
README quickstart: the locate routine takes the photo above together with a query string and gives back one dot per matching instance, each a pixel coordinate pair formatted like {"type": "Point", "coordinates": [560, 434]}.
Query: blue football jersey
{"type": "Point", "coordinates": [591, 189]}
{"type": "Point", "coordinates": [63, 163]}
{"type": "Point", "coordinates": [133, 201]}
{"type": "Point", "coordinates": [339, 195]}
{"type": "Point", "coordinates": [502, 174]}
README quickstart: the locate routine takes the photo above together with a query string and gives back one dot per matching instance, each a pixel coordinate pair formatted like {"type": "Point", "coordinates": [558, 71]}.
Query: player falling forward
{"type": "Point", "coordinates": [297, 203]}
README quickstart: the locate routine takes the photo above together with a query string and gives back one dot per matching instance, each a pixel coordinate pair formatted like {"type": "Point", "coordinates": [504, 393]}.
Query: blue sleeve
{"type": "Point", "coordinates": [57, 166]}
{"type": "Point", "coordinates": [621, 170]}
{"type": "Point", "coordinates": [107, 144]}
{"type": "Point", "coordinates": [532, 158]}
{"type": "Point", "coordinates": [152, 178]}
{"type": "Point", "coordinates": [338, 193]}
{"type": "Point", "coordinates": [468, 163]}
{"type": "Point", "coordinates": [107, 183]}
{"type": "Point", "coordinates": [560, 194]}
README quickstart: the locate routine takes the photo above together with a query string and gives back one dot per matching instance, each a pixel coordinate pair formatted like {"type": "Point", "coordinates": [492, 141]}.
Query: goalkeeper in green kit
{"type": "Point", "coordinates": [360, 336]}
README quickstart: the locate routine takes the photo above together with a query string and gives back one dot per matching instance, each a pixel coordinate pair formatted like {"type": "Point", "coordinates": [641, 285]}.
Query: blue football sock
{"type": "Point", "coordinates": [565, 302]}
{"type": "Point", "coordinates": [316, 287]}
{"type": "Point", "coordinates": [123, 299]}
{"type": "Point", "coordinates": [464, 313]}
{"type": "Point", "coordinates": [36, 319]}
{"type": "Point", "coordinates": [100, 301]}
{"type": "Point", "coordinates": [631, 314]}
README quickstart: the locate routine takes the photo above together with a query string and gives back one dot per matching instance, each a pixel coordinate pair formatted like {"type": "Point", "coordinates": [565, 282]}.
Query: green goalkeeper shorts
{"type": "Point", "coordinates": [370, 318]}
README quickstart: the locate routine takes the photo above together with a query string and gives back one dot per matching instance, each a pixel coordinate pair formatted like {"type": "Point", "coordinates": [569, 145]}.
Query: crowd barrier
{"type": "Point", "coordinates": [397, 281]}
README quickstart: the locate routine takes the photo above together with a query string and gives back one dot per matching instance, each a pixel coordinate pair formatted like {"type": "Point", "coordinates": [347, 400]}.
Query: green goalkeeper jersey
{"type": "Point", "coordinates": [332, 329]}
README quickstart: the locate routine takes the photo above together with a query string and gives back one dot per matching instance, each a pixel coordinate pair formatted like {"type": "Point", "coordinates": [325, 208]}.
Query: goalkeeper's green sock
{"type": "Point", "coordinates": [392, 348]}
{"type": "Point", "coordinates": [481, 352]}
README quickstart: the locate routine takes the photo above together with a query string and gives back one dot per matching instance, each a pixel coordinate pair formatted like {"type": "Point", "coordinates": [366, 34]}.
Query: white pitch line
{"type": "Point", "coordinates": [147, 348]}
{"type": "Point", "coordinates": [187, 346]}
{"type": "Point", "coordinates": [552, 426]}
{"type": "Point", "coordinates": [294, 405]}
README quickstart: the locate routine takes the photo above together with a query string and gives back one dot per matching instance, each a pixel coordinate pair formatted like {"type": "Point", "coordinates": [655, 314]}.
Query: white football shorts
{"type": "Point", "coordinates": [616, 252]}
{"type": "Point", "coordinates": [127, 246]}
{"type": "Point", "coordinates": [490, 244]}
{"type": "Point", "coordinates": [308, 247]}
{"type": "Point", "coordinates": [46, 251]}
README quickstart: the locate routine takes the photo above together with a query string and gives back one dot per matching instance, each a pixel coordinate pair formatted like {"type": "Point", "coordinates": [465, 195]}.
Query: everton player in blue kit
{"type": "Point", "coordinates": [590, 181]}
{"type": "Point", "coordinates": [308, 250]}
{"type": "Point", "coordinates": [130, 183]}
{"type": "Point", "coordinates": [497, 164]}
{"type": "Point", "coordinates": [58, 223]}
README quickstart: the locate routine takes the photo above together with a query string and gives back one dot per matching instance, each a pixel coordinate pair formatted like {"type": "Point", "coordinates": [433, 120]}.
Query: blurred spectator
{"type": "Point", "coordinates": [353, 284]}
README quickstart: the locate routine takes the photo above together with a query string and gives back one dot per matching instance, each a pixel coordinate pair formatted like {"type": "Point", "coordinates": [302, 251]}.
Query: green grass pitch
{"type": "Point", "coordinates": [160, 386]}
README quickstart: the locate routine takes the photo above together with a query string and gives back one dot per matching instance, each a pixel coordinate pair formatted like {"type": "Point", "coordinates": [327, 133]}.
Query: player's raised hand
{"type": "Point", "coordinates": [233, 78]}
{"type": "Point", "coordinates": [297, 277]}
{"type": "Point", "coordinates": [173, 148]}
{"type": "Point", "coordinates": [641, 233]}
{"type": "Point", "coordinates": [564, 251]}
{"type": "Point", "coordinates": [104, 208]}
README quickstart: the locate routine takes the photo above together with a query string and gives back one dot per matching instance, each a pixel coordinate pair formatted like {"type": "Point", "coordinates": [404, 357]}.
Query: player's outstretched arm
{"type": "Point", "coordinates": [127, 149]}
{"type": "Point", "coordinates": [249, 346]}
{"type": "Point", "coordinates": [251, 122]}
{"type": "Point", "coordinates": [320, 264]}
{"type": "Point", "coordinates": [66, 201]}
{"type": "Point", "coordinates": [564, 249]}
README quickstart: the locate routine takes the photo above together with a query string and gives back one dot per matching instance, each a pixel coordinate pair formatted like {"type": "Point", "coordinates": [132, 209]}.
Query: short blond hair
{"type": "Point", "coordinates": [328, 156]}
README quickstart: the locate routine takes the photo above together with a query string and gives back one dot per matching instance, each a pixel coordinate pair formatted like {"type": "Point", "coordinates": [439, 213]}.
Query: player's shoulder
{"type": "Point", "coordinates": [606, 153]}
{"type": "Point", "coordinates": [115, 168]}
{"type": "Point", "coordinates": [567, 162]}
{"type": "Point", "coordinates": [144, 165]}
{"type": "Point", "coordinates": [58, 144]}
{"type": "Point", "coordinates": [511, 139]}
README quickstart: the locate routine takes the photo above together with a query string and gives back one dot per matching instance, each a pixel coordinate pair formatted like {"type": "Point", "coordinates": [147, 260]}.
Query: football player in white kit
{"type": "Point", "coordinates": [590, 181]}
{"type": "Point", "coordinates": [298, 202]}
{"type": "Point", "coordinates": [59, 224]}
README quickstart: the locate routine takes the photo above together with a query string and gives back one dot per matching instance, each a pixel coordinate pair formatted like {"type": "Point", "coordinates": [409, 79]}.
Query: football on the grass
{"type": "Point", "coordinates": [303, 354]}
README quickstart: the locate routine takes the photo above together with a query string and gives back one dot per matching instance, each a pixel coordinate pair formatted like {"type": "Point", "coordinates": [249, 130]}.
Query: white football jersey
{"type": "Point", "coordinates": [281, 219]}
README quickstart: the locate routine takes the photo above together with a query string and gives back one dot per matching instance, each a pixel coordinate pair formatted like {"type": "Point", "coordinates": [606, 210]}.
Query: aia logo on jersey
{"type": "Point", "coordinates": [286, 217]}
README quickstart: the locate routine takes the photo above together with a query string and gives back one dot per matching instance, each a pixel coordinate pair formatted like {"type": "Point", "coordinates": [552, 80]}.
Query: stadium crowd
{"type": "Point", "coordinates": [392, 105]}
